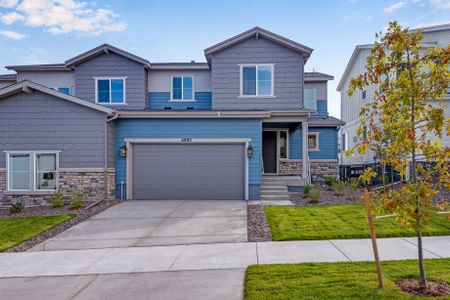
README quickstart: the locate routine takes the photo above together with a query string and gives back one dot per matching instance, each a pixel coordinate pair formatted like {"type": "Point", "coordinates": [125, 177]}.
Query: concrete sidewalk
{"type": "Point", "coordinates": [221, 256]}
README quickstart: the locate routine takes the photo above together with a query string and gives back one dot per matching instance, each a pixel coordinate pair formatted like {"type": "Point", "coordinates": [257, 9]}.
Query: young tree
{"type": "Point", "coordinates": [404, 123]}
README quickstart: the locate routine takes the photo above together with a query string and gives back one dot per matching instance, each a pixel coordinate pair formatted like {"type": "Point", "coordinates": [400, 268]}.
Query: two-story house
{"type": "Point", "coordinates": [114, 124]}
{"type": "Point", "coordinates": [434, 36]}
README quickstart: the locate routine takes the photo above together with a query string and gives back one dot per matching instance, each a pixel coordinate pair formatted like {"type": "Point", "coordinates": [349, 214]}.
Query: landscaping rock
{"type": "Point", "coordinates": [257, 227]}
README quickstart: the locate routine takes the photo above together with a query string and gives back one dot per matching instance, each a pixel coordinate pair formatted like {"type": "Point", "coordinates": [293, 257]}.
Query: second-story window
{"type": "Point", "coordinates": [110, 90]}
{"type": "Point", "coordinates": [182, 88]}
{"type": "Point", "coordinates": [310, 99]}
{"type": "Point", "coordinates": [256, 80]}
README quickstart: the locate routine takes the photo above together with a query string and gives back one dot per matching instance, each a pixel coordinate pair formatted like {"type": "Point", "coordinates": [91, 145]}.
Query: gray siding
{"type": "Point", "coordinates": [112, 65]}
{"type": "Point", "coordinates": [288, 76]}
{"type": "Point", "coordinates": [51, 79]}
{"type": "Point", "coordinates": [42, 122]}
{"type": "Point", "coordinates": [320, 87]}
{"type": "Point", "coordinates": [111, 143]}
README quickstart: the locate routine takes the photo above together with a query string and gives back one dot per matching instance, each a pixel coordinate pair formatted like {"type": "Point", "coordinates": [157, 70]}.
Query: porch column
{"type": "Point", "coordinates": [305, 159]}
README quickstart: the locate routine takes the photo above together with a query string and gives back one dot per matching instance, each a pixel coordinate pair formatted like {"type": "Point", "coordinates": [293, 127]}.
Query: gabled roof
{"type": "Point", "coordinates": [317, 76]}
{"type": "Point", "coordinates": [105, 48]}
{"type": "Point", "coordinates": [325, 121]}
{"type": "Point", "coordinates": [29, 87]}
{"type": "Point", "coordinates": [257, 31]}
{"type": "Point", "coordinates": [358, 48]}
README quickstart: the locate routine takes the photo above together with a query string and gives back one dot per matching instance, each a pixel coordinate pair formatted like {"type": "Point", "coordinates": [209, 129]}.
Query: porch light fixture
{"type": "Point", "coordinates": [250, 151]}
{"type": "Point", "coordinates": [123, 151]}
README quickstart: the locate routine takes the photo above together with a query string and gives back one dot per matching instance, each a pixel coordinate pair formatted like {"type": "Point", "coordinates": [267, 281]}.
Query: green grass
{"type": "Point", "coordinates": [342, 221]}
{"type": "Point", "coordinates": [14, 231]}
{"type": "Point", "coordinates": [355, 280]}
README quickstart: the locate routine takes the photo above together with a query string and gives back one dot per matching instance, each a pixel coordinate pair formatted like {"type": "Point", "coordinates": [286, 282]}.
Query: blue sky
{"type": "Point", "coordinates": [50, 31]}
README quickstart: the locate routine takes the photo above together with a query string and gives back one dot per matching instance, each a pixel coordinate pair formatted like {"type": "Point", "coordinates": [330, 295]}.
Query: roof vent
{"type": "Point", "coordinates": [192, 61]}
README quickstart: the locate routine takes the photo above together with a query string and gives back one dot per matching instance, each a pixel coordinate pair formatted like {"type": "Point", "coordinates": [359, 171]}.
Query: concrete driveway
{"type": "Point", "coordinates": [150, 223]}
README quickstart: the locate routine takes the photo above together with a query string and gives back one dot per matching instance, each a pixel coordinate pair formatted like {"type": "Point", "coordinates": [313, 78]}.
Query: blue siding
{"type": "Point", "coordinates": [160, 101]}
{"type": "Point", "coordinates": [322, 108]}
{"type": "Point", "coordinates": [295, 143]}
{"type": "Point", "coordinates": [327, 143]}
{"type": "Point", "coordinates": [185, 128]}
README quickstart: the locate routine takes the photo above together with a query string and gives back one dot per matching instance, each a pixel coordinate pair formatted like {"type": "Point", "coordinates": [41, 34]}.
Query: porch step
{"type": "Point", "coordinates": [274, 188]}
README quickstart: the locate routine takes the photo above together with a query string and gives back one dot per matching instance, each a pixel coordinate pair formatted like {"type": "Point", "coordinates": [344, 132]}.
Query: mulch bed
{"type": "Point", "coordinates": [257, 227]}
{"type": "Point", "coordinates": [81, 215]}
{"type": "Point", "coordinates": [433, 289]}
{"type": "Point", "coordinates": [328, 196]}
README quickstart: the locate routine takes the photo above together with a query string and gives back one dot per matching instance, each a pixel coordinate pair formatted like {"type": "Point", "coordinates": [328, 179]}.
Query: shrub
{"type": "Point", "coordinates": [306, 190]}
{"type": "Point", "coordinates": [57, 199]}
{"type": "Point", "coordinates": [330, 180]}
{"type": "Point", "coordinates": [339, 186]}
{"type": "Point", "coordinates": [314, 195]}
{"type": "Point", "coordinates": [77, 199]}
{"type": "Point", "coordinates": [354, 184]}
{"type": "Point", "coordinates": [17, 207]}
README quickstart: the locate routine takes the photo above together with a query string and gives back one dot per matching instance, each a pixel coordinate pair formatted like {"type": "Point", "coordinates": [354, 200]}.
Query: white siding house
{"type": "Point", "coordinates": [438, 36]}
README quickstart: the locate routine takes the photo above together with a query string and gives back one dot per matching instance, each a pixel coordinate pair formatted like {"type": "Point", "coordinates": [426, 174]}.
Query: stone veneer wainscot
{"type": "Point", "coordinates": [320, 168]}
{"type": "Point", "coordinates": [92, 182]}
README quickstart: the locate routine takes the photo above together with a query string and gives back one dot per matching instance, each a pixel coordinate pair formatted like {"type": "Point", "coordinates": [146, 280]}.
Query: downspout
{"type": "Point", "coordinates": [105, 171]}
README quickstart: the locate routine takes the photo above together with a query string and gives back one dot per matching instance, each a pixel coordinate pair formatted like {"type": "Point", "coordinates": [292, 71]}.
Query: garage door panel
{"type": "Point", "coordinates": [188, 171]}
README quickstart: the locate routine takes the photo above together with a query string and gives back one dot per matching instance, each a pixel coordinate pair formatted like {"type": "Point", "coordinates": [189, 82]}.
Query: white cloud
{"type": "Point", "coordinates": [12, 35]}
{"type": "Point", "coordinates": [441, 4]}
{"type": "Point", "coordinates": [348, 17]}
{"type": "Point", "coordinates": [434, 23]}
{"type": "Point", "coordinates": [8, 3]}
{"type": "Point", "coordinates": [393, 7]}
{"type": "Point", "coordinates": [11, 18]}
{"type": "Point", "coordinates": [66, 16]}
{"type": "Point", "coordinates": [368, 18]}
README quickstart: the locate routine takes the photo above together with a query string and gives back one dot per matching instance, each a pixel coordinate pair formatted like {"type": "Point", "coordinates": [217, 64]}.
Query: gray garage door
{"type": "Point", "coordinates": [188, 171]}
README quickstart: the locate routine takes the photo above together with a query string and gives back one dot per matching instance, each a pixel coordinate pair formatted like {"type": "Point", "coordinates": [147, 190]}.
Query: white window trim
{"type": "Point", "coordinates": [241, 81]}
{"type": "Point", "coordinates": [316, 134]}
{"type": "Point", "coordinates": [33, 170]}
{"type": "Point", "coordinates": [182, 89]}
{"type": "Point", "coordinates": [124, 102]}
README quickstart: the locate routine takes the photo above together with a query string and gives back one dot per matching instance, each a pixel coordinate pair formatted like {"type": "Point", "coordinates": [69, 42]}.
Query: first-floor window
{"type": "Point", "coordinates": [19, 172]}
{"type": "Point", "coordinates": [313, 141]}
{"type": "Point", "coordinates": [32, 171]}
{"type": "Point", "coordinates": [63, 89]}
{"type": "Point", "coordinates": [110, 90]}
{"type": "Point", "coordinates": [46, 171]}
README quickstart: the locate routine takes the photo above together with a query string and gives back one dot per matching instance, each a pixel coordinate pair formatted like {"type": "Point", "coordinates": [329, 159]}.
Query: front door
{"type": "Point", "coordinates": [269, 142]}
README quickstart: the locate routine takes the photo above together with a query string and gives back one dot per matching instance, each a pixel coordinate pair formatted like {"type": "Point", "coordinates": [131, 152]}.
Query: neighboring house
{"type": "Point", "coordinates": [435, 36]}
{"type": "Point", "coordinates": [114, 124]}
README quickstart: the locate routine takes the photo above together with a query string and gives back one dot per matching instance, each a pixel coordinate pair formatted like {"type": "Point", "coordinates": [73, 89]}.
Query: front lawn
{"type": "Point", "coordinates": [343, 221]}
{"type": "Point", "coordinates": [14, 231]}
{"type": "Point", "coordinates": [355, 280]}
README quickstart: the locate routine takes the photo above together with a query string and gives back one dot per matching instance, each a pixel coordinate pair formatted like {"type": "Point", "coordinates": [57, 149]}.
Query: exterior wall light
{"type": "Point", "coordinates": [250, 151]}
{"type": "Point", "coordinates": [123, 151]}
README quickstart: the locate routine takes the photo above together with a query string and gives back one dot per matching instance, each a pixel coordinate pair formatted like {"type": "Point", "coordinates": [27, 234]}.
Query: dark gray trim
{"type": "Point", "coordinates": [180, 66]}
{"type": "Point", "coordinates": [328, 121]}
{"type": "Point", "coordinates": [45, 67]}
{"type": "Point", "coordinates": [258, 31]}
{"type": "Point", "coordinates": [8, 77]}
{"type": "Point", "coordinates": [105, 48]}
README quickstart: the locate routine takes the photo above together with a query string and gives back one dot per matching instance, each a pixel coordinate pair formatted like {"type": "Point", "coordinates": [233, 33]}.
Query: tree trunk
{"type": "Point", "coordinates": [422, 280]}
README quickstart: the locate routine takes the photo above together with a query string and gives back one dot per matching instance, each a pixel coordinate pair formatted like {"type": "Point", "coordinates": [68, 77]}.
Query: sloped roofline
{"type": "Point", "coordinates": [29, 87]}
{"type": "Point", "coordinates": [258, 31]}
{"type": "Point", "coordinates": [105, 48]}
{"type": "Point", "coordinates": [317, 76]}
{"type": "Point", "coordinates": [358, 48]}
